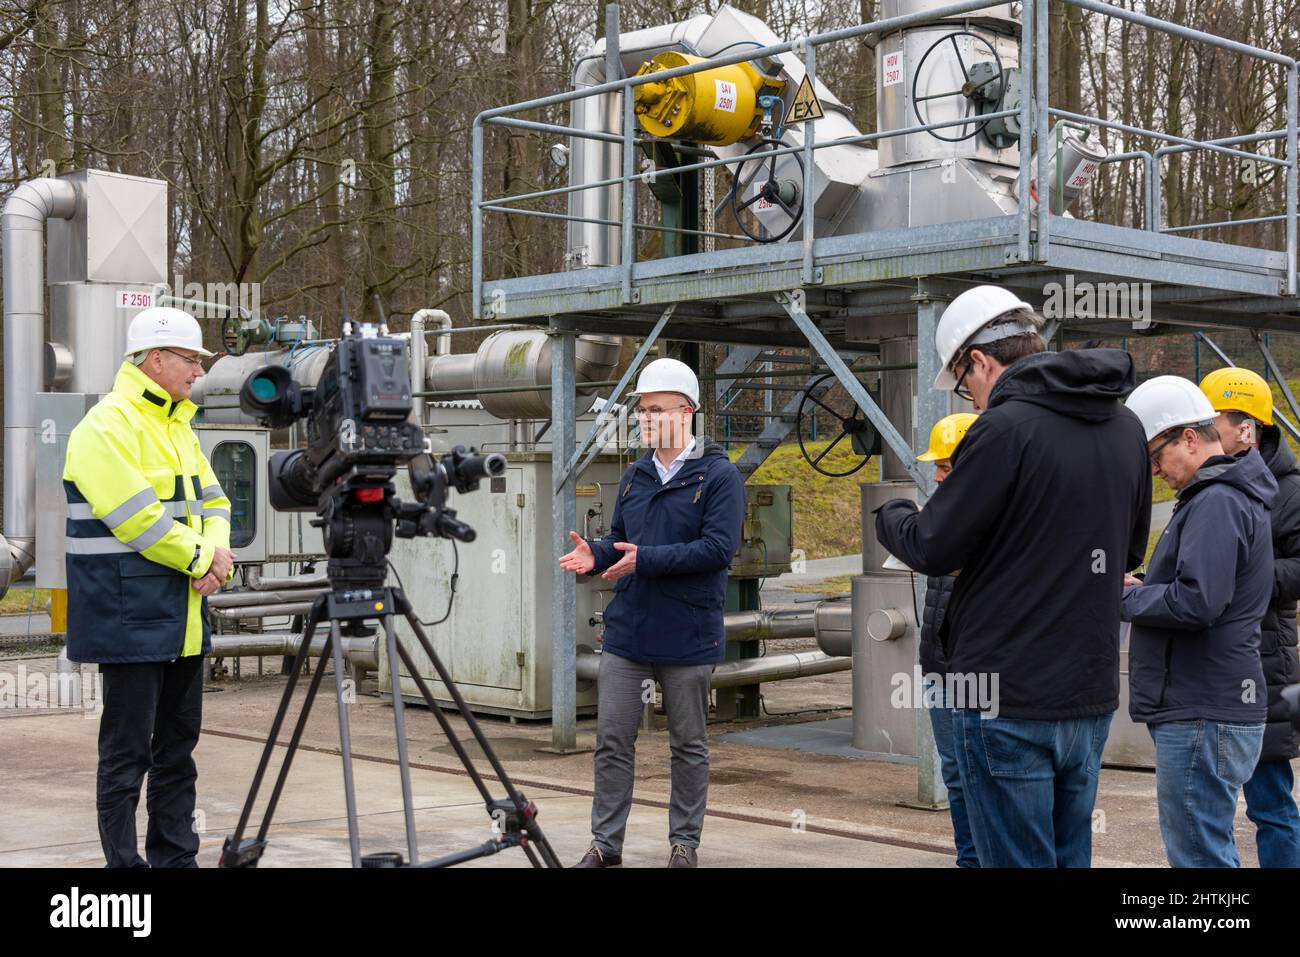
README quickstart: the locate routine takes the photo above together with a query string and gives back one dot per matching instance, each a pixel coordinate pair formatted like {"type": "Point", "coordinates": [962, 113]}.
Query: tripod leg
{"type": "Point", "coordinates": [534, 830]}
{"type": "Point", "coordinates": [469, 769]}
{"type": "Point", "coordinates": [399, 724]}
{"type": "Point", "coordinates": [345, 745]}
{"type": "Point", "coordinates": [296, 669]}
{"type": "Point", "coordinates": [298, 729]}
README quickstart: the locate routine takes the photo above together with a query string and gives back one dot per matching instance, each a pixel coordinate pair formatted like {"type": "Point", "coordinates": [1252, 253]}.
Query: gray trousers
{"type": "Point", "coordinates": [624, 687]}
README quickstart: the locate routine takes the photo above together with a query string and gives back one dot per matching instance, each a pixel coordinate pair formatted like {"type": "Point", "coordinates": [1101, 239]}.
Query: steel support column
{"type": "Point", "coordinates": [931, 406]}
{"type": "Point", "coordinates": [564, 516]}
{"type": "Point", "coordinates": [602, 419]}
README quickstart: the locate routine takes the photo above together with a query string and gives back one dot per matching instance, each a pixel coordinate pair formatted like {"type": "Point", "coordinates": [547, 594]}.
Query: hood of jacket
{"type": "Point", "coordinates": [1087, 384]}
{"type": "Point", "coordinates": [1248, 473]}
{"type": "Point", "coordinates": [1277, 452]}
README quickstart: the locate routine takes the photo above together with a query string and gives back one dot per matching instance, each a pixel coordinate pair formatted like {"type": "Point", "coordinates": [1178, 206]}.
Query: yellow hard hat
{"type": "Point", "coordinates": [945, 435]}
{"type": "Point", "coordinates": [1239, 390]}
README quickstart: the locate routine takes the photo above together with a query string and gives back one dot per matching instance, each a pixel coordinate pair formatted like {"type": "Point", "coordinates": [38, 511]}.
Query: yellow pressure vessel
{"type": "Point", "coordinates": [718, 107]}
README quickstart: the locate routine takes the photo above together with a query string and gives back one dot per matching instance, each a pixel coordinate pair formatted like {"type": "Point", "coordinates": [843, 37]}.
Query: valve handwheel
{"type": "Point", "coordinates": [782, 193]}
{"type": "Point", "coordinates": [230, 338]}
{"type": "Point", "coordinates": [854, 425]}
{"type": "Point", "coordinates": [970, 86]}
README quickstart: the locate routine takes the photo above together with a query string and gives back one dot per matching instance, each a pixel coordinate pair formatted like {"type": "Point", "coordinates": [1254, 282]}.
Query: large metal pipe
{"type": "Point", "coordinates": [765, 625]}
{"type": "Point", "coordinates": [362, 652]}
{"type": "Point", "coordinates": [748, 671]}
{"type": "Point", "coordinates": [22, 231]}
{"type": "Point", "coordinates": [521, 359]}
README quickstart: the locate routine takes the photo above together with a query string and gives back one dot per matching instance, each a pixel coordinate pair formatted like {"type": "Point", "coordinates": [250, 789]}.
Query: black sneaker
{"type": "Point", "coordinates": [595, 857]}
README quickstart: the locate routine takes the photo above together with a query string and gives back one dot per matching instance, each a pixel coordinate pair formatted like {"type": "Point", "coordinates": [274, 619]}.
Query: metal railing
{"type": "Point", "coordinates": [1034, 48]}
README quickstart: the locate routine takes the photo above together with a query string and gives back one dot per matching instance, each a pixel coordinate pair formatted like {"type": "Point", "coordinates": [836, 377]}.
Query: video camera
{"type": "Point", "coordinates": [358, 433]}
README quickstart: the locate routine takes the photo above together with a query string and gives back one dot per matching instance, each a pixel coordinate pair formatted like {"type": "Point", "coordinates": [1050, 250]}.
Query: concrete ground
{"type": "Point", "coordinates": [768, 806]}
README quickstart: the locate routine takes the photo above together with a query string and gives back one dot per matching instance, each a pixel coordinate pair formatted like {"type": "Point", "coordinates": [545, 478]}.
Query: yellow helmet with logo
{"type": "Point", "coordinates": [1239, 390]}
{"type": "Point", "coordinates": [945, 435]}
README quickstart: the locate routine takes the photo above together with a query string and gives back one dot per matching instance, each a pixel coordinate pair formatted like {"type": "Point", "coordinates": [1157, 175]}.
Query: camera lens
{"type": "Point", "coordinates": [271, 396]}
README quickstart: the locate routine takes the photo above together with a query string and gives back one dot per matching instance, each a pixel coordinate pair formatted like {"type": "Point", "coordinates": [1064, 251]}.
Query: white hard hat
{"type": "Point", "coordinates": [669, 375]}
{"type": "Point", "coordinates": [965, 317]}
{"type": "Point", "coordinates": [1168, 401]}
{"type": "Point", "coordinates": [162, 327]}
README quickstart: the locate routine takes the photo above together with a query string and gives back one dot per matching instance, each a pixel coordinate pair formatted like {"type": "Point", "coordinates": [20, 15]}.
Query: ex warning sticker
{"type": "Point", "coordinates": [806, 106]}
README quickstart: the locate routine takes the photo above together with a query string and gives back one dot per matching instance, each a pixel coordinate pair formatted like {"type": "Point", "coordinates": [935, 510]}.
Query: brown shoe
{"type": "Point", "coordinates": [595, 857]}
{"type": "Point", "coordinates": [683, 856]}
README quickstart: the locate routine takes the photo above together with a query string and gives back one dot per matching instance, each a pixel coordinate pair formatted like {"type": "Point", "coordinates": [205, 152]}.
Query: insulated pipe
{"type": "Point", "coordinates": [235, 612]}
{"type": "Point", "coordinates": [22, 232]}
{"type": "Point", "coordinates": [259, 582]}
{"type": "Point", "coordinates": [288, 596]}
{"type": "Point", "coordinates": [748, 671]}
{"type": "Point", "coordinates": [443, 321]}
{"type": "Point", "coordinates": [362, 652]}
{"type": "Point", "coordinates": [419, 352]}
{"type": "Point", "coordinates": [762, 625]}
{"type": "Point", "coordinates": [520, 360]}
{"type": "Point", "coordinates": [593, 161]}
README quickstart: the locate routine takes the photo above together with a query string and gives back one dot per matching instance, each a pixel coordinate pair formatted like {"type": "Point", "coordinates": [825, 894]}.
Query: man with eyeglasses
{"type": "Point", "coordinates": [1195, 678]}
{"type": "Point", "coordinates": [148, 540]}
{"type": "Point", "coordinates": [1244, 404]}
{"type": "Point", "coordinates": [676, 525]}
{"type": "Point", "coordinates": [1049, 501]}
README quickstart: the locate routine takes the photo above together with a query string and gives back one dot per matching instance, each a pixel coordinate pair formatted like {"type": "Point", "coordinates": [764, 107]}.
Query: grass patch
{"type": "Point", "coordinates": [827, 511]}
{"type": "Point", "coordinates": [835, 585]}
{"type": "Point", "coordinates": [19, 601]}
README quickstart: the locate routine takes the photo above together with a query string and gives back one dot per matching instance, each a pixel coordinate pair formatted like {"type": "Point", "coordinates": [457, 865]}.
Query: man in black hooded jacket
{"type": "Point", "coordinates": [1048, 504]}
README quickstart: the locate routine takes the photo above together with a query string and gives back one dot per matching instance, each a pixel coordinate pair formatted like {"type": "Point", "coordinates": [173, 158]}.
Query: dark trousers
{"type": "Point", "coordinates": [150, 725]}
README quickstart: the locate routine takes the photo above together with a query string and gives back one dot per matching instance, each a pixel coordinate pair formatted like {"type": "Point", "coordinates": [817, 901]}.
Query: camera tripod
{"type": "Point", "coordinates": [346, 608]}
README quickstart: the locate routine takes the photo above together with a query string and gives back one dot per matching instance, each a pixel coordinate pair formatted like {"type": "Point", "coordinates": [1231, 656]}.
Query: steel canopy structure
{"type": "Point", "coordinates": [839, 294]}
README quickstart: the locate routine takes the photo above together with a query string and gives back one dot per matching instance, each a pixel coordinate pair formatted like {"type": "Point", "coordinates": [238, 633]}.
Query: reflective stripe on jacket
{"type": "Point", "coordinates": [145, 515]}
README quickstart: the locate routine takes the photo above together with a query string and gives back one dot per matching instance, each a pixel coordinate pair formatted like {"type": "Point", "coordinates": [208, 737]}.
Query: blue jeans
{"type": "Point", "coordinates": [941, 721]}
{"type": "Point", "coordinates": [1030, 787]}
{"type": "Point", "coordinates": [1200, 767]}
{"type": "Point", "coordinates": [1270, 803]}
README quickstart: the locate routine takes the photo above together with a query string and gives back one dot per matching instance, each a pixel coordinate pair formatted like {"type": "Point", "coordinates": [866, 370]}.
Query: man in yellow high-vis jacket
{"type": "Point", "coordinates": [148, 541]}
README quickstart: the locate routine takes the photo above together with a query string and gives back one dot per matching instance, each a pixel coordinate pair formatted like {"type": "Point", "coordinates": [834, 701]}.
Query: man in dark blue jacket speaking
{"type": "Point", "coordinates": [677, 523]}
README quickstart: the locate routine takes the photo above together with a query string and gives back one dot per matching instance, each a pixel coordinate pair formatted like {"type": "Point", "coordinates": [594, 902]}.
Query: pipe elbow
{"type": "Point", "coordinates": [37, 200]}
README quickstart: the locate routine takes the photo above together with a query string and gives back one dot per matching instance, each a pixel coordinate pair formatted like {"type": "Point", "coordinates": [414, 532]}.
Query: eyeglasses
{"type": "Point", "coordinates": [192, 361]}
{"type": "Point", "coordinates": [1154, 454]}
{"type": "Point", "coordinates": [964, 393]}
{"type": "Point", "coordinates": [646, 412]}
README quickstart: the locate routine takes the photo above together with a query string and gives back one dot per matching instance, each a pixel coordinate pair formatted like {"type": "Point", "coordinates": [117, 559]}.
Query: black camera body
{"type": "Point", "coordinates": [356, 419]}
{"type": "Point", "coordinates": [358, 432]}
